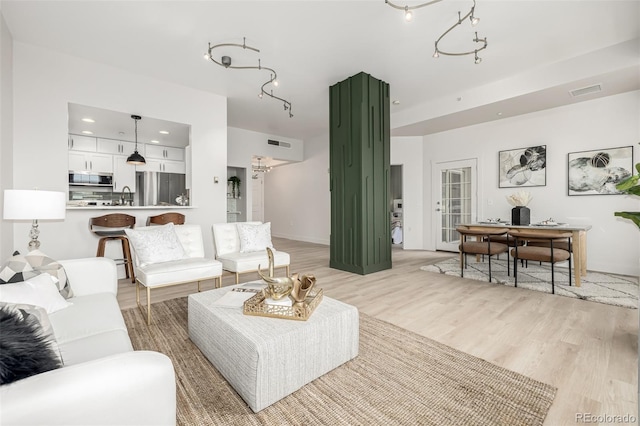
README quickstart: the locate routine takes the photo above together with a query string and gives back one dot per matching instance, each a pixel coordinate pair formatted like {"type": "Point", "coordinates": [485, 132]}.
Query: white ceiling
{"type": "Point", "coordinates": [315, 44]}
{"type": "Point", "coordinates": [120, 126]}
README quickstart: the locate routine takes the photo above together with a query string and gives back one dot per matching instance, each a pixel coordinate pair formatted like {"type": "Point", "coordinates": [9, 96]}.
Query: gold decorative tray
{"type": "Point", "coordinates": [257, 306]}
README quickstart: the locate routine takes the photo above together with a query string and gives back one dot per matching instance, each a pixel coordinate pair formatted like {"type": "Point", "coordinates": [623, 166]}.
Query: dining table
{"type": "Point", "coordinates": [578, 239]}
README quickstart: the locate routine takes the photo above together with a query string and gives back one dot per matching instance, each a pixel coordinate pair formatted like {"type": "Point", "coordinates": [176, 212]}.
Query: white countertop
{"type": "Point", "coordinates": [131, 207]}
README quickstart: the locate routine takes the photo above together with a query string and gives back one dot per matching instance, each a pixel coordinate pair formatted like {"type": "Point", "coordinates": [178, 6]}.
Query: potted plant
{"type": "Point", "coordinates": [630, 186]}
{"type": "Point", "coordinates": [235, 186]}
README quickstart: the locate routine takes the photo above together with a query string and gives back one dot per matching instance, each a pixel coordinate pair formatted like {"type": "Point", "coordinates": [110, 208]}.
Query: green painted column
{"type": "Point", "coordinates": [359, 160]}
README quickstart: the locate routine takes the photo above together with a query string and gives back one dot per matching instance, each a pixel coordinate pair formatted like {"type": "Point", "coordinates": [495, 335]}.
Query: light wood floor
{"type": "Point", "coordinates": [588, 350]}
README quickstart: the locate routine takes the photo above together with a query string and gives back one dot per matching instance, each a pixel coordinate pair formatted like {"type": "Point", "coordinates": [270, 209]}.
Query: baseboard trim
{"type": "Point", "coordinates": [301, 238]}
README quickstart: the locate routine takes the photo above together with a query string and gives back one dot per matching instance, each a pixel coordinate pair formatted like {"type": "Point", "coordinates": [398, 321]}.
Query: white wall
{"type": "Point", "coordinates": [602, 123]}
{"type": "Point", "coordinates": [297, 200]}
{"type": "Point", "coordinates": [407, 151]}
{"type": "Point", "coordinates": [6, 131]}
{"type": "Point", "coordinates": [46, 81]}
{"type": "Point", "coordinates": [244, 144]}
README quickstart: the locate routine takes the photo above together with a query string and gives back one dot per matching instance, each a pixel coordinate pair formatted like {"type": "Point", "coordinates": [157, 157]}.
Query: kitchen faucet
{"type": "Point", "coordinates": [130, 195]}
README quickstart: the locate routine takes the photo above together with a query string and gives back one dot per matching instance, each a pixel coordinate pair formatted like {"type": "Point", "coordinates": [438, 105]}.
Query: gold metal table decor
{"type": "Point", "coordinates": [297, 288]}
{"type": "Point", "coordinates": [299, 311]}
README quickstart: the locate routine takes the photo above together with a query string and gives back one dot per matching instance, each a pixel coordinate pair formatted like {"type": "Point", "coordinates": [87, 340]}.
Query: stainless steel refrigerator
{"type": "Point", "coordinates": [160, 189]}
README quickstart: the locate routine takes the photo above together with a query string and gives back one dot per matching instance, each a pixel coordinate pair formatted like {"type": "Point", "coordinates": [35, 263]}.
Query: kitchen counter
{"type": "Point", "coordinates": [131, 207]}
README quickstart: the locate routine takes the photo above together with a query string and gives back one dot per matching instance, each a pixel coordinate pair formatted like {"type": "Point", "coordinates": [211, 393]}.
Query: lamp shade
{"type": "Point", "coordinates": [34, 204]}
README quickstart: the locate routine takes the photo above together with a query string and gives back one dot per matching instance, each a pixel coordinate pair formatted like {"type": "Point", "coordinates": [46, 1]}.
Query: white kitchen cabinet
{"type": "Point", "coordinates": [111, 146]}
{"type": "Point", "coordinates": [165, 166]}
{"type": "Point", "coordinates": [164, 152]}
{"type": "Point", "coordinates": [92, 162]}
{"type": "Point", "coordinates": [123, 174]}
{"type": "Point", "coordinates": [82, 143]}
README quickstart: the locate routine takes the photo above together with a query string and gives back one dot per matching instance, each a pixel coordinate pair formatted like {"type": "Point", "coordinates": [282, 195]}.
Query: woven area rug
{"type": "Point", "coordinates": [595, 286]}
{"type": "Point", "coordinates": [398, 378]}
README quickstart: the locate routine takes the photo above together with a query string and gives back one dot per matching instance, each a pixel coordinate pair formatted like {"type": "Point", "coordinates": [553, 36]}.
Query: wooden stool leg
{"type": "Point", "coordinates": [101, 245]}
{"type": "Point", "coordinates": [123, 242]}
{"type": "Point", "coordinates": [126, 250]}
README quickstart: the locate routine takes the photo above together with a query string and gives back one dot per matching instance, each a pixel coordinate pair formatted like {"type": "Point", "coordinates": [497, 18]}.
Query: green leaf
{"type": "Point", "coordinates": [633, 216]}
{"type": "Point", "coordinates": [638, 167]}
{"type": "Point", "coordinates": [628, 183]}
{"type": "Point", "coordinates": [634, 190]}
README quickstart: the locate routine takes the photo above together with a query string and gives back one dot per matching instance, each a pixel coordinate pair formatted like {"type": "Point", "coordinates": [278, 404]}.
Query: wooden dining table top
{"type": "Point", "coordinates": [558, 226]}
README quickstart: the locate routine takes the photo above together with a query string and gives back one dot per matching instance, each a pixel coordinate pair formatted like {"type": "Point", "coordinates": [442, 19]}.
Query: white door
{"type": "Point", "coordinates": [257, 188]}
{"type": "Point", "coordinates": [455, 193]}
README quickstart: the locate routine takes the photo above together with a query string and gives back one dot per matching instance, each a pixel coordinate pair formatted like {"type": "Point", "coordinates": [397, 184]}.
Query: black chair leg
{"type": "Point", "coordinates": [489, 268]}
{"type": "Point", "coordinates": [553, 282]}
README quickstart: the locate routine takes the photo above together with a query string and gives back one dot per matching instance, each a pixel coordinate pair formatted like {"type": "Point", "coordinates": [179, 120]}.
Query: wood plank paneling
{"type": "Point", "coordinates": [360, 175]}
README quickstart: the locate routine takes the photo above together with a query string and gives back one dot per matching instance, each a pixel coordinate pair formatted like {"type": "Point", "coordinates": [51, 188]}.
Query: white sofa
{"type": "Point", "coordinates": [103, 380]}
{"type": "Point", "coordinates": [226, 242]}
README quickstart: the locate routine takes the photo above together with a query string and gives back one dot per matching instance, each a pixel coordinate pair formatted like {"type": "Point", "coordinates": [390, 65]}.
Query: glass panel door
{"type": "Point", "coordinates": [456, 201]}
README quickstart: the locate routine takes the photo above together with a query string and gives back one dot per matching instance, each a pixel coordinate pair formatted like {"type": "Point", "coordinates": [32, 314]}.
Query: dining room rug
{"type": "Point", "coordinates": [398, 378]}
{"type": "Point", "coordinates": [618, 290]}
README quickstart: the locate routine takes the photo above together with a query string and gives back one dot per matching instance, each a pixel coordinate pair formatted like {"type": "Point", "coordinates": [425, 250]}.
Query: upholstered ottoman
{"type": "Point", "coordinates": [266, 359]}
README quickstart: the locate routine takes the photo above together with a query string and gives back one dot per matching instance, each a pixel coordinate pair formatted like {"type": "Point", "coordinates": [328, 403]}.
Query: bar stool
{"type": "Point", "coordinates": [163, 219]}
{"type": "Point", "coordinates": [111, 227]}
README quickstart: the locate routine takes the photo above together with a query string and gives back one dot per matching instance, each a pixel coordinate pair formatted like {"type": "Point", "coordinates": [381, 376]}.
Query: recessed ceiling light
{"type": "Point", "coordinates": [88, 120]}
{"type": "Point", "coordinates": [396, 102]}
{"type": "Point", "coordinates": [163, 132]}
{"type": "Point", "coordinates": [87, 132]}
{"type": "Point", "coordinates": [155, 141]}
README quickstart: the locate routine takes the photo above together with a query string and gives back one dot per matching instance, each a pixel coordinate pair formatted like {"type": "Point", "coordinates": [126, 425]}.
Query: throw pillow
{"type": "Point", "coordinates": [16, 269]}
{"type": "Point", "coordinates": [39, 290]}
{"type": "Point", "coordinates": [254, 237]}
{"type": "Point", "coordinates": [25, 349]}
{"type": "Point", "coordinates": [41, 263]}
{"type": "Point", "coordinates": [155, 244]}
{"type": "Point", "coordinates": [40, 314]}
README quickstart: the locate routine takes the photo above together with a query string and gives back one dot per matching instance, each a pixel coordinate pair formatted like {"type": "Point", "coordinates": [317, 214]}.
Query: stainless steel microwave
{"type": "Point", "coordinates": [90, 179]}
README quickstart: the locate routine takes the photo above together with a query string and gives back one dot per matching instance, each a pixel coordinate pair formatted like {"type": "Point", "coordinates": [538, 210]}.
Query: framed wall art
{"type": "Point", "coordinates": [523, 167]}
{"type": "Point", "coordinates": [597, 172]}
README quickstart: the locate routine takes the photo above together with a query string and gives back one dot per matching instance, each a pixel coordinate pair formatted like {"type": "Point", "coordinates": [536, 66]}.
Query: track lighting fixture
{"type": "Point", "coordinates": [408, 15]}
{"type": "Point", "coordinates": [470, 15]}
{"type": "Point", "coordinates": [226, 61]}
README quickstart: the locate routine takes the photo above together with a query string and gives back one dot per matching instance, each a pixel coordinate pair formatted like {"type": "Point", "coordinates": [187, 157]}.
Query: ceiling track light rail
{"type": "Point", "coordinates": [474, 21]}
{"type": "Point", "coordinates": [470, 15]}
{"type": "Point", "coordinates": [226, 62]}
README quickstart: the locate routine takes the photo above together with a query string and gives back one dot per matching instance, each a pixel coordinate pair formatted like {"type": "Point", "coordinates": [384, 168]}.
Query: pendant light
{"type": "Point", "coordinates": [135, 158]}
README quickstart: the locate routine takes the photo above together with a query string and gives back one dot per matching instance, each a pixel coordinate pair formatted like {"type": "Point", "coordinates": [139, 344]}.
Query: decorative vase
{"type": "Point", "coordinates": [520, 215]}
{"type": "Point", "coordinates": [301, 288]}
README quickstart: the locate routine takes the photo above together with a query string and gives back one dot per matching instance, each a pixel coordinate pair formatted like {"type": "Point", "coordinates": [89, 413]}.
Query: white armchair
{"type": "Point", "coordinates": [193, 267]}
{"type": "Point", "coordinates": [228, 250]}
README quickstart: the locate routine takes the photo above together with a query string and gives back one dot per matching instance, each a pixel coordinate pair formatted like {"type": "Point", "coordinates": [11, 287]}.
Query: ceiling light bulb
{"type": "Point", "coordinates": [275, 83]}
{"type": "Point", "coordinates": [87, 132]}
{"type": "Point", "coordinates": [474, 20]}
{"type": "Point", "coordinates": [88, 120]}
{"type": "Point", "coordinates": [436, 54]}
{"type": "Point", "coordinates": [478, 59]}
{"type": "Point", "coordinates": [154, 141]}
{"type": "Point", "coordinates": [207, 56]}
{"type": "Point", "coordinates": [260, 95]}
{"type": "Point", "coordinates": [408, 15]}
{"type": "Point", "coordinates": [163, 132]}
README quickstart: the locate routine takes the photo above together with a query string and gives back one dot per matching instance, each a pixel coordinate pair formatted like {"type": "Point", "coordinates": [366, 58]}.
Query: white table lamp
{"type": "Point", "coordinates": [20, 204]}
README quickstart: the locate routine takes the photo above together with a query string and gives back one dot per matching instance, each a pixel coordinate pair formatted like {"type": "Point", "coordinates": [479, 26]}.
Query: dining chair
{"type": "Point", "coordinates": [482, 244]}
{"type": "Point", "coordinates": [542, 247]}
